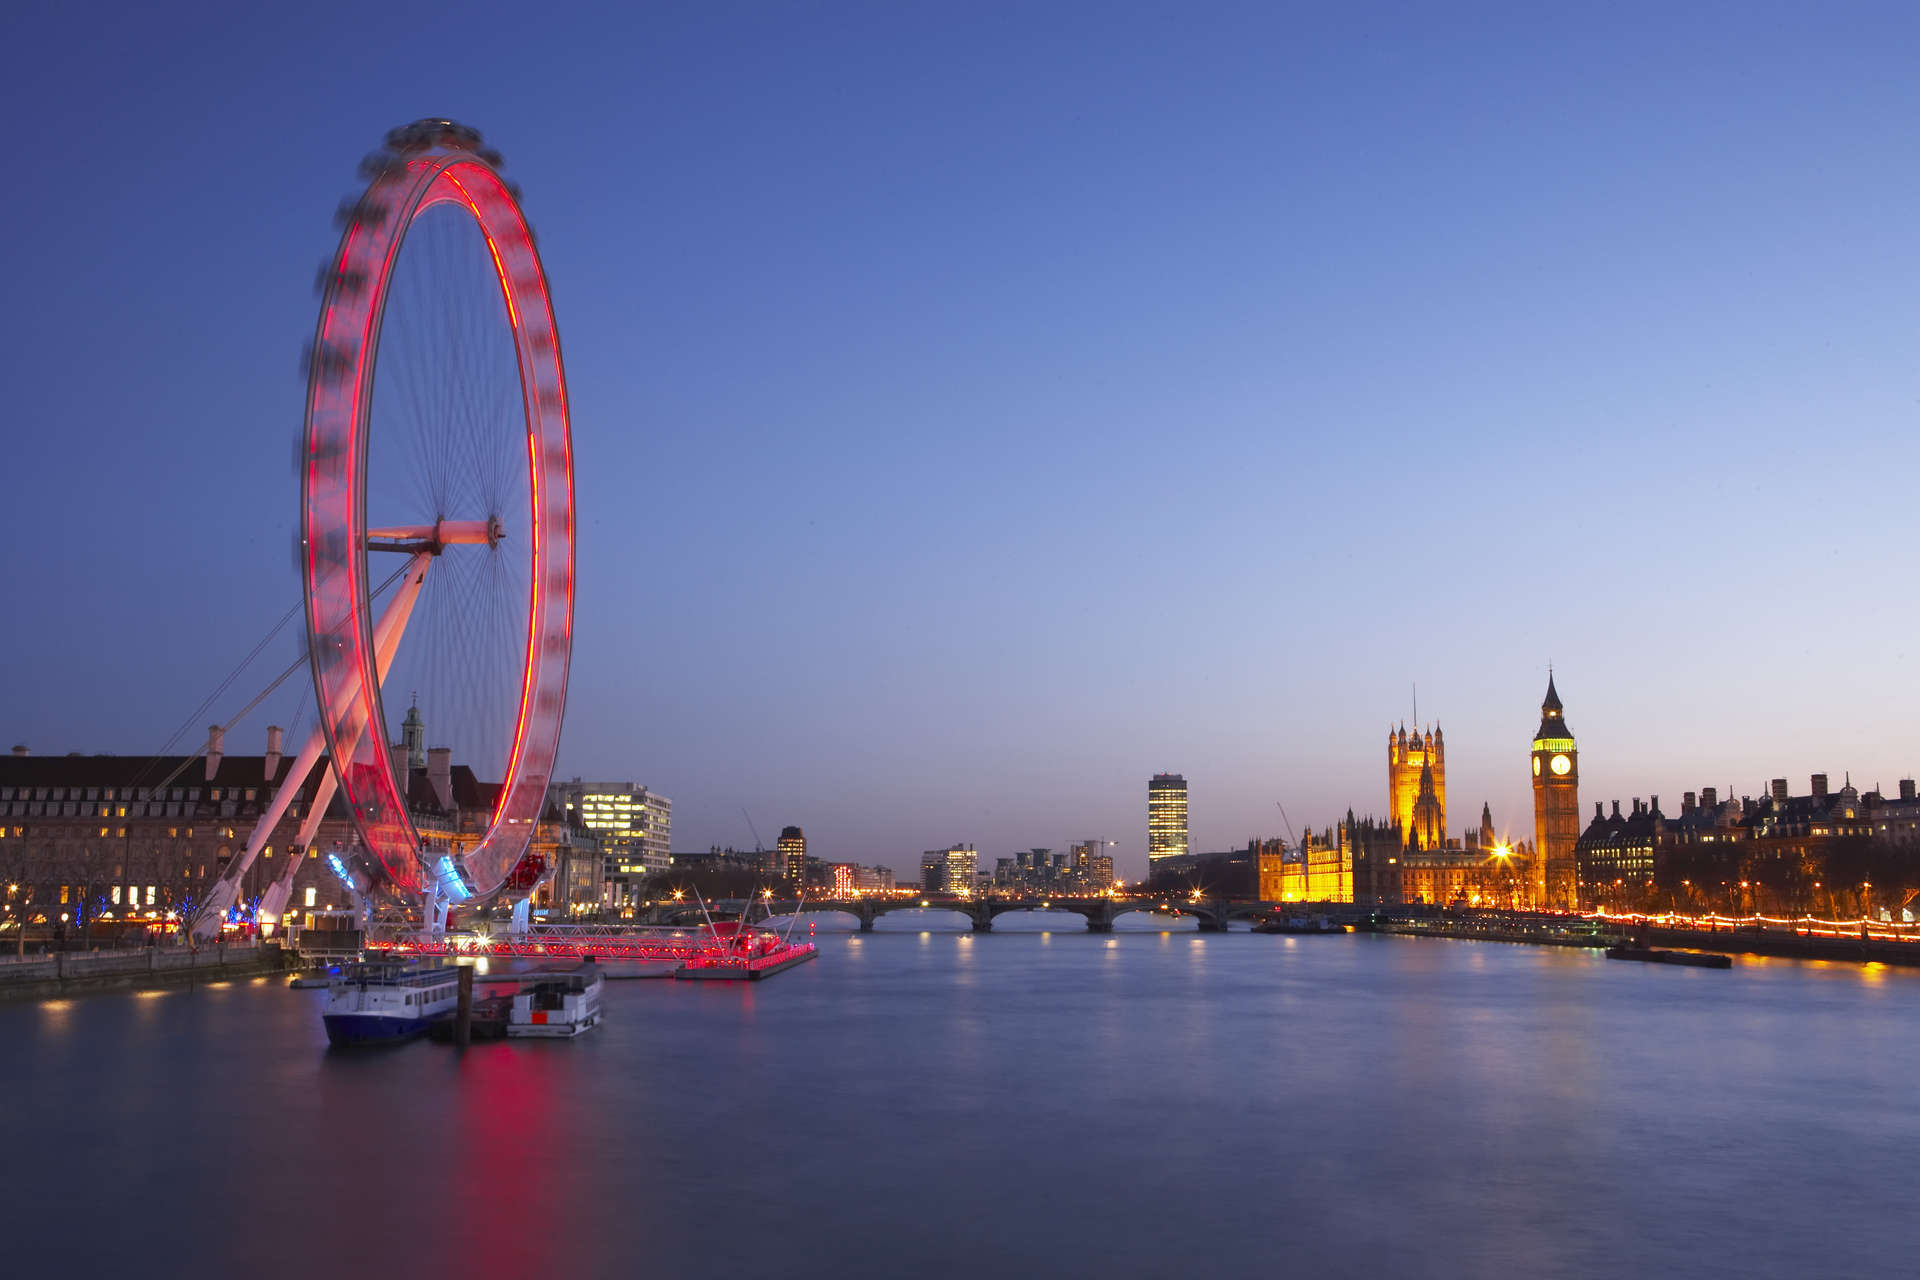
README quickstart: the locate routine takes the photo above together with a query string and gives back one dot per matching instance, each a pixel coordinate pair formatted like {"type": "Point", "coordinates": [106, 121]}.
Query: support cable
{"type": "Point", "coordinates": [168, 781]}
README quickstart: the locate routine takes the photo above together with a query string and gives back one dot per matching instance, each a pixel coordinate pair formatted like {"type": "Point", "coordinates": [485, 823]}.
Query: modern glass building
{"type": "Point", "coordinates": [1166, 817]}
{"type": "Point", "coordinates": [793, 855]}
{"type": "Point", "coordinates": [634, 825]}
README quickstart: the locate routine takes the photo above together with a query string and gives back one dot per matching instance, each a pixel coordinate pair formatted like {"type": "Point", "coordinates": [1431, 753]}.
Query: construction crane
{"type": "Point", "coordinates": [1289, 821]}
{"type": "Point", "coordinates": [757, 846]}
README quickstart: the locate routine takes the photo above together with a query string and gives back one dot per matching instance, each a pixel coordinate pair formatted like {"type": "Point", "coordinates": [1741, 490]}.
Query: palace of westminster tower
{"type": "Point", "coordinates": [1417, 786]}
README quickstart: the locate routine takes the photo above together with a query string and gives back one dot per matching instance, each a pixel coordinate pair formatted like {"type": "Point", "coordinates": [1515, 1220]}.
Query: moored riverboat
{"type": "Point", "coordinates": [1300, 924]}
{"type": "Point", "coordinates": [1653, 955]}
{"type": "Point", "coordinates": [385, 1002]}
{"type": "Point", "coordinates": [557, 1006]}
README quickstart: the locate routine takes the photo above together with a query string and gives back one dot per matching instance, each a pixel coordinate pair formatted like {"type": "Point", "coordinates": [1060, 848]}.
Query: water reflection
{"type": "Point", "coordinates": [934, 1102]}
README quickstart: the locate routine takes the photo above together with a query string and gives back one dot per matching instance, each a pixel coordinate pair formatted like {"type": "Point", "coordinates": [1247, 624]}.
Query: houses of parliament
{"type": "Point", "coordinates": [1409, 857]}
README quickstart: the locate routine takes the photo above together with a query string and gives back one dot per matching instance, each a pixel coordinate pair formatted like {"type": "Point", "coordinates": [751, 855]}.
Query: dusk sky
{"type": "Point", "coordinates": [978, 409]}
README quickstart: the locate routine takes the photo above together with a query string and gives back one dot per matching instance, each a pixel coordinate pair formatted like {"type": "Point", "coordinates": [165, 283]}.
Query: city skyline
{"type": "Point", "coordinates": [1101, 425]}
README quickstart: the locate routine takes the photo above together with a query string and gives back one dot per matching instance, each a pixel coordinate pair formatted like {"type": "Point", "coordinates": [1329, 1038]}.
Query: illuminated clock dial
{"type": "Point", "coordinates": [1562, 765]}
{"type": "Point", "coordinates": [1536, 766]}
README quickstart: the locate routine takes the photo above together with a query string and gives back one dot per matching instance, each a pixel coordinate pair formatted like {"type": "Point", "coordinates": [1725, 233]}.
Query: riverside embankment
{"type": "Point", "coordinates": [63, 973]}
{"type": "Point", "coordinates": [1784, 939]}
{"type": "Point", "coordinates": [1859, 949]}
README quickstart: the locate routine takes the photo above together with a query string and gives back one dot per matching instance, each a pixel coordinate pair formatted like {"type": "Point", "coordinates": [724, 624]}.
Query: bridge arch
{"type": "Point", "coordinates": [834, 919]}
{"type": "Point", "coordinates": [1132, 914]}
{"type": "Point", "coordinates": [936, 918]}
{"type": "Point", "coordinates": [1050, 919]}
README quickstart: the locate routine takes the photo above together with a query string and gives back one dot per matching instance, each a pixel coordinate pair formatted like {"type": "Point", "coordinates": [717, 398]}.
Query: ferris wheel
{"type": "Point", "coordinates": [437, 440]}
{"type": "Point", "coordinates": [436, 526]}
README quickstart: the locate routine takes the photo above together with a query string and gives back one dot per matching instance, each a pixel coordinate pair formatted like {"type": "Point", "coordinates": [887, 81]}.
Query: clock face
{"type": "Point", "coordinates": [1562, 765]}
{"type": "Point", "coordinates": [1536, 766]}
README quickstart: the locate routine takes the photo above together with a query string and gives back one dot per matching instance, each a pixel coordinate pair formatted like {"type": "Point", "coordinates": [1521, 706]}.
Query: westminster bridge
{"type": "Point", "coordinates": [1100, 911]}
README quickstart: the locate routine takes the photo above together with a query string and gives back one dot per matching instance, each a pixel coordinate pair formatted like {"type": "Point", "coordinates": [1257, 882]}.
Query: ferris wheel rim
{"type": "Point", "coordinates": [439, 164]}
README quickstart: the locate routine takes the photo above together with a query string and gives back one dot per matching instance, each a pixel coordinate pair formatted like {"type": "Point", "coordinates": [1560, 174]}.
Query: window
{"type": "Point", "coordinates": [150, 895]}
{"type": "Point", "coordinates": [309, 895]}
{"type": "Point", "coordinates": [116, 895]}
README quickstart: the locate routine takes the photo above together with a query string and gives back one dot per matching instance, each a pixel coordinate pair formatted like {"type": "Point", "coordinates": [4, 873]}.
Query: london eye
{"type": "Point", "coordinates": [437, 455]}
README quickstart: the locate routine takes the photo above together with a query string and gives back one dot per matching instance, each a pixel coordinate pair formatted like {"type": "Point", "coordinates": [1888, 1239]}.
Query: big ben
{"type": "Point", "coordinates": [1556, 806]}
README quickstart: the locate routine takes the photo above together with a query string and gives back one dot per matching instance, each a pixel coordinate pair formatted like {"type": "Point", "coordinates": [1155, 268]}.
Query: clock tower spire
{"type": "Point", "coordinates": [1556, 806]}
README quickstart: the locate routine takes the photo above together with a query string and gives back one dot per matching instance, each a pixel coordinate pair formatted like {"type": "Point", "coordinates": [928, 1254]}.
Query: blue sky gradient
{"type": "Point", "coordinates": [979, 408]}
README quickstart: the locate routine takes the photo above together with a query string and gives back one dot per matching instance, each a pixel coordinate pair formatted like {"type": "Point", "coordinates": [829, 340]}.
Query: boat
{"type": "Point", "coordinates": [387, 1002]}
{"type": "Point", "coordinates": [1653, 955]}
{"type": "Point", "coordinates": [317, 976]}
{"type": "Point", "coordinates": [557, 1006]}
{"type": "Point", "coordinates": [740, 952]}
{"type": "Point", "coordinates": [1300, 924]}
{"type": "Point", "coordinates": [735, 951]}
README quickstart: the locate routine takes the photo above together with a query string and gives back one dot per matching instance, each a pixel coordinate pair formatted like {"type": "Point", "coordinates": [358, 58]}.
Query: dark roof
{"type": "Point", "coordinates": [134, 772]}
{"type": "Point", "coordinates": [144, 771]}
{"type": "Point", "coordinates": [1553, 724]}
{"type": "Point", "coordinates": [469, 792]}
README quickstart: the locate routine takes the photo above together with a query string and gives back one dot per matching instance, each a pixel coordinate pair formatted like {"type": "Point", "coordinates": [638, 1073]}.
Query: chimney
{"type": "Point", "coordinates": [1906, 786]}
{"type": "Point", "coordinates": [1688, 802]}
{"type": "Point", "coordinates": [397, 753]}
{"type": "Point", "coordinates": [440, 774]}
{"type": "Point", "coordinates": [216, 743]}
{"type": "Point", "coordinates": [1616, 811]}
{"type": "Point", "coordinates": [1709, 797]}
{"type": "Point", "coordinates": [1653, 805]}
{"type": "Point", "coordinates": [271, 766]}
{"type": "Point", "coordinates": [1779, 790]}
{"type": "Point", "coordinates": [20, 749]}
{"type": "Point", "coordinates": [1820, 786]}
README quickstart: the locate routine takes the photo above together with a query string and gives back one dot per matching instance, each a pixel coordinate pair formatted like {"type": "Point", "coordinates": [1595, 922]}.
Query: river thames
{"type": "Point", "coordinates": [1136, 1104]}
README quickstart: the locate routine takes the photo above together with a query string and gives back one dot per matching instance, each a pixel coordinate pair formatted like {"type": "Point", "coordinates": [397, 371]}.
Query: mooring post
{"type": "Point", "coordinates": [463, 1016]}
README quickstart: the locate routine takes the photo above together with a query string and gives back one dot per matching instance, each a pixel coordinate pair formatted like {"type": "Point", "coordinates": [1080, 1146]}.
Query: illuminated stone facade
{"type": "Point", "coordinates": [1321, 871]}
{"type": "Point", "coordinates": [1417, 786]}
{"type": "Point", "coordinates": [104, 840]}
{"type": "Point", "coordinates": [1614, 855]}
{"type": "Point", "coordinates": [87, 839]}
{"type": "Point", "coordinates": [1556, 807]}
